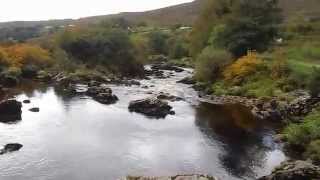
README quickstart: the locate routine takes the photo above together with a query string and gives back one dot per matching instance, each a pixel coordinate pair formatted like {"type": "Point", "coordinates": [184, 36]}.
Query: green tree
{"type": "Point", "coordinates": [109, 47]}
{"type": "Point", "coordinates": [212, 14]}
{"type": "Point", "coordinates": [210, 64]}
{"type": "Point", "coordinates": [252, 24]}
{"type": "Point", "coordinates": [158, 42]}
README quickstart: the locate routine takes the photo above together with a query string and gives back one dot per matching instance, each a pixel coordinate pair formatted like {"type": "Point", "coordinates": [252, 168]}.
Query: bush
{"type": "Point", "coordinates": [158, 42]}
{"type": "Point", "coordinates": [179, 50]}
{"type": "Point", "coordinates": [210, 64]}
{"type": "Point", "coordinates": [242, 68]}
{"type": "Point", "coordinates": [110, 47]}
{"type": "Point", "coordinates": [4, 60]}
{"type": "Point", "coordinates": [303, 134]}
{"type": "Point", "coordinates": [10, 77]}
{"type": "Point", "coordinates": [280, 67]}
{"type": "Point", "coordinates": [20, 55]}
{"type": "Point", "coordinates": [314, 84]}
{"type": "Point", "coordinates": [313, 151]}
{"type": "Point", "coordinates": [141, 48]}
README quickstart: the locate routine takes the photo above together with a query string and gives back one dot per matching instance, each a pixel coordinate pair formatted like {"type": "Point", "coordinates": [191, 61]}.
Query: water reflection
{"type": "Point", "coordinates": [242, 137]}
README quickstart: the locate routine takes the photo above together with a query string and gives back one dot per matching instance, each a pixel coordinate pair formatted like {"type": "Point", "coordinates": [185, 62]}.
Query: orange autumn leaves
{"type": "Point", "coordinates": [242, 68]}
{"type": "Point", "coordinates": [19, 55]}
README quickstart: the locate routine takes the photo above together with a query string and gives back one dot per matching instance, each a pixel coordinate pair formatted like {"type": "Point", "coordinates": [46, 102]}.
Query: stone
{"type": "Point", "coordinates": [35, 109]}
{"type": "Point", "coordinates": [27, 101]}
{"type": "Point", "coordinates": [10, 111]}
{"type": "Point", "coordinates": [11, 148]}
{"type": "Point", "coordinates": [102, 94]}
{"type": "Point", "coordinates": [151, 107]}
{"type": "Point", "coordinates": [106, 98]}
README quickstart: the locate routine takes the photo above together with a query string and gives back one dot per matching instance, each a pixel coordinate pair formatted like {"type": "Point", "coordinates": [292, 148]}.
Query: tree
{"type": "Point", "coordinates": [210, 64]}
{"type": "Point", "coordinates": [106, 46]}
{"type": "Point", "coordinates": [212, 14]}
{"type": "Point", "coordinates": [158, 42]}
{"type": "Point", "coordinates": [251, 25]}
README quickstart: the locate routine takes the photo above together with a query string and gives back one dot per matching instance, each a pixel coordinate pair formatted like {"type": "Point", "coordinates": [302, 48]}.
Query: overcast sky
{"type": "Point", "coordinates": [13, 10]}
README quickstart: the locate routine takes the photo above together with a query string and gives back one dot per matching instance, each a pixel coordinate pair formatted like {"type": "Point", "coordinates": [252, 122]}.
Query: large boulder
{"type": "Point", "coordinates": [10, 148]}
{"type": "Point", "coordinates": [106, 98]}
{"type": "Point", "coordinates": [102, 94]}
{"type": "Point", "coordinates": [10, 111]}
{"type": "Point", "coordinates": [294, 170]}
{"type": "Point", "coordinates": [151, 107]}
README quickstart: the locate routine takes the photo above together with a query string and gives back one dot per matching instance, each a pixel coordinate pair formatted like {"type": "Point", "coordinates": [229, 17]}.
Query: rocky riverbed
{"type": "Point", "coordinates": [159, 121]}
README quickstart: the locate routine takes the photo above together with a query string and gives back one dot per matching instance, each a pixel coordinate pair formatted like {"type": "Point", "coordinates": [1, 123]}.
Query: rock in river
{"type": "Point", "coordinates": [152, 107]}
{"type": "Point", "coordinates": [294, 170]}
{"type": "Point", "coordinates": [11, 148]}
{"type": "Point", "coordinates": [168, 97]}
{"type": "Point", "coordinates": [10, 111]}
{"type": "Point", "coordinates": [34, 109]}
{"type": "Point", "coordinates": [102, 94]}
{"type": "Point", "coordinates": [27, 101]}
{"type": "Point", "coordinates": [187, 80]}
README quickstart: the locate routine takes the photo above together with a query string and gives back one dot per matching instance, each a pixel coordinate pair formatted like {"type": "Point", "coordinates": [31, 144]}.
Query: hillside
{"type": "Point", "coordinates": [180, 14]}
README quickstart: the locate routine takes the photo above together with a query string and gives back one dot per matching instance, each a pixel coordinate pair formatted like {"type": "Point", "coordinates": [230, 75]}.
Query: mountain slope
{"type": "Point", "coordinates": [179, 14]}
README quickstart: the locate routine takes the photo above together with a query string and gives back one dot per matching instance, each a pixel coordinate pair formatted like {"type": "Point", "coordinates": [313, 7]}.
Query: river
{"type": "Point", "coordinates": [78, 138]}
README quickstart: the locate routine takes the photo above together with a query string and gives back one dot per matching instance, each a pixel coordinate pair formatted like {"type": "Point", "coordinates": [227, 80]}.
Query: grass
{"type": "Point", "coordinates": [303, 56]}
{"type": "Point", "coordinates": [306, 136]}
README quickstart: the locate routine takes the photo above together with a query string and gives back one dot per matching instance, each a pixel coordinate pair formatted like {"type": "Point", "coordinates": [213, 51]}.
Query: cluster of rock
{"type": "Point", "coordinates": [166, 66]}
{"type": "Point", "coordinates": [11, 110]}
{"type": "Point", "coordinates": [294, 170]}
{"type": "Point", "coordinates": [177, 177]}
{"type": "Point", "coordinates": [99, 92]}
{"type": "Point", "coordinates": [157, 70]}
{"type": "Point", "coordinates": [156, 73]}
{"type": "Point", "coordinates": [152, 107]}
{"type": "Point", "coordinates": [271, 109]}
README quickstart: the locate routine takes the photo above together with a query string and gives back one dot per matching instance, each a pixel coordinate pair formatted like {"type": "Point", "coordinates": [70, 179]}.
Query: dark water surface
{"type": "Point", "coordinates": [75, 138]}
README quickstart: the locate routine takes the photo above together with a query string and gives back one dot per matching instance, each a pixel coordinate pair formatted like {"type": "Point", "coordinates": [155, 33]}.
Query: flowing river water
{"type": "Point", "coordinates": [77, 138]}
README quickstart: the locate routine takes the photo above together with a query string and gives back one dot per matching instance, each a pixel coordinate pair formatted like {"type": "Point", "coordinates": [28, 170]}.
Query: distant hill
{"type": "Point", "coordinates": [180, 14]}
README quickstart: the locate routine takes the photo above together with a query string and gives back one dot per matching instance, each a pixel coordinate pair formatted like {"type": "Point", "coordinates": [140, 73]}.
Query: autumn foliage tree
{"type": "Point", "coordinates": [20, 55]}
{"type": "Point", "coordinates": [245, 66]}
